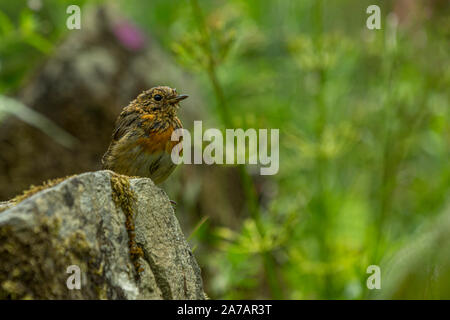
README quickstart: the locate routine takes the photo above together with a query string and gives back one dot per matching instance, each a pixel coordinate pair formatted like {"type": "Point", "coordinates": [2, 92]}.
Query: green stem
{"type": "Point", "coordinates": [227, 120]}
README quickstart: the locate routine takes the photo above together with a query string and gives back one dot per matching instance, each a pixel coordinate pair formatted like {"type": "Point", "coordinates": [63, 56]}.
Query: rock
{"type": "Point", "coordinates": [121, 232]}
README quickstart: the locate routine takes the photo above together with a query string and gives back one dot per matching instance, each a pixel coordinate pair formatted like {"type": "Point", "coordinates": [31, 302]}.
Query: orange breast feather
{"type": "Point", "coordinates": [158, 141]}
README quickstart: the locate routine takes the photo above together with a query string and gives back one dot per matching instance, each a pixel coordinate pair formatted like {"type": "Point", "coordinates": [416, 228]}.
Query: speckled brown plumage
{"type": "Point", "coordinates": [141, 143]}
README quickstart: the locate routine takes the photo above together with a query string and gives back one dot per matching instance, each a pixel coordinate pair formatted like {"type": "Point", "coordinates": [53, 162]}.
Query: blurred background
{"type": "Point", "coordinates": [363, 116]}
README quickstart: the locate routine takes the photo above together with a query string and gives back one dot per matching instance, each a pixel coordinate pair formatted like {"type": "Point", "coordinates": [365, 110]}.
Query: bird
{"type": "Point", "coordinates": [141, 143]}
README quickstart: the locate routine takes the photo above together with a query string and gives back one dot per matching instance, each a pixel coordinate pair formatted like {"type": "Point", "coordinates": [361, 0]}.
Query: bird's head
{"type": "Point", "coordinates": [161, 99]}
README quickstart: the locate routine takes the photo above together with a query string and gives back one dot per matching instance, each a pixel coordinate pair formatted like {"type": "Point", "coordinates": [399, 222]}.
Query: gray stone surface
{"type": "Point", "coordinates": [83, 221]}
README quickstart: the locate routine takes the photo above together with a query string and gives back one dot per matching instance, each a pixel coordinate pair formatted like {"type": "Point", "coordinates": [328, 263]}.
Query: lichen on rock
{"type": "Point", "coordinates": [29, 192]}
{"type": "Point", "coordinates": [124, 198]}
{"type": "Point", "coordinates": [108, 225]}
{"type": "Point", "coordinates": [26, 252]}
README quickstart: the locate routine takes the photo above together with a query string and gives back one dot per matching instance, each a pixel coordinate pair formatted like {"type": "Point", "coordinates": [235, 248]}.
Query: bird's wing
{"type": "Point", "coordinates": [123, 123]}
{"type": "Point", "coordinates": [125, 120]}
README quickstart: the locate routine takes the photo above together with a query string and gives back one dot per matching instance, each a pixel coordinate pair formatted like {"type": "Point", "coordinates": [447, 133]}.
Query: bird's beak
{"type": "Point", "coordinates": [178, 98]}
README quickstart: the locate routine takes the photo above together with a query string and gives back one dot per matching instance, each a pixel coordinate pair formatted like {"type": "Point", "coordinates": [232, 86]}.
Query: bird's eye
{"type": "Point", "coordinates": [157, 97]}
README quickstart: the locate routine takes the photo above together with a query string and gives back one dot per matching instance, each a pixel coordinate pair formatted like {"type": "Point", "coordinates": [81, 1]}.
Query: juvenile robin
{"type": "Point", "coordinates": [141, 143]}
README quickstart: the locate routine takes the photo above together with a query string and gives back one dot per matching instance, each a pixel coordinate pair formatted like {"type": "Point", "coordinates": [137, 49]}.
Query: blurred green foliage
{"type": "Point", "coordinates": [364, 135]}
{"type": "Point", "coordinates": [29, 30]}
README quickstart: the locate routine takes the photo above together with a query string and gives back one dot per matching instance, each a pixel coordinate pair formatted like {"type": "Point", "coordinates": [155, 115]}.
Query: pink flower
{"type": "Point", "coordinates": [129, 36]}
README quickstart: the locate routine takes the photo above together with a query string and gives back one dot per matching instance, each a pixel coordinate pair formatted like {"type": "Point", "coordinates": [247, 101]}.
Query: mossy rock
{"type": "Point", "coordinates": [121, 232]}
